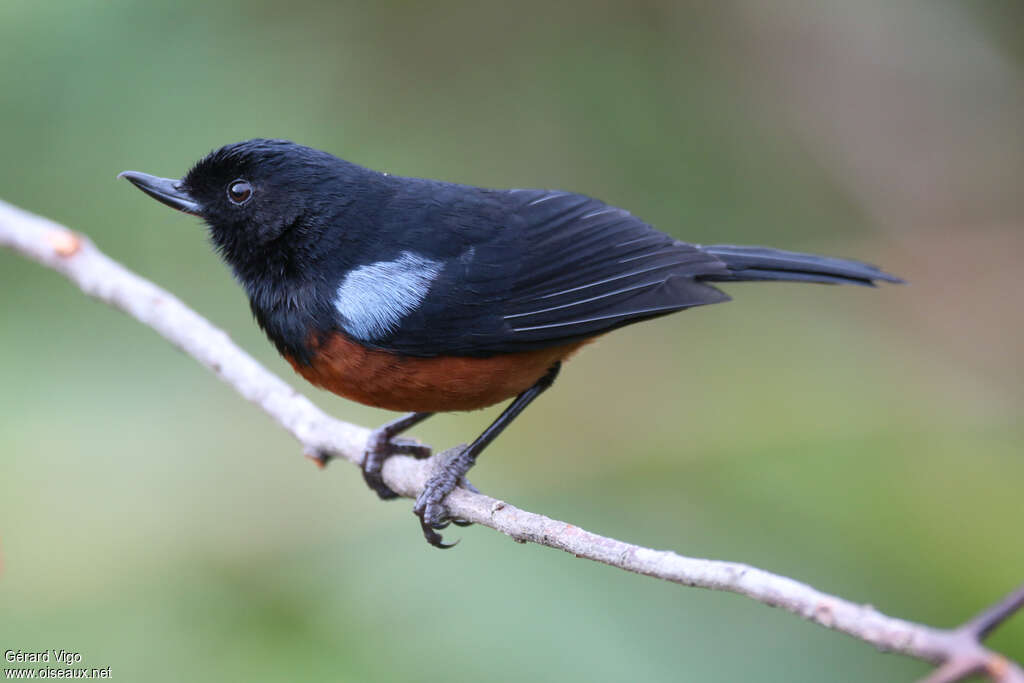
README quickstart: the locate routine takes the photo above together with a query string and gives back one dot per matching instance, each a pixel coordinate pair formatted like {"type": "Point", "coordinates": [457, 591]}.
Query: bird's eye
{"type": "Point", "coordinates": [239, 191]}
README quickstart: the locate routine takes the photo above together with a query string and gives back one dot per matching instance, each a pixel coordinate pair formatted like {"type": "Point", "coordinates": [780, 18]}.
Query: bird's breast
{"type": "Point", "coordinates": [438, 384]}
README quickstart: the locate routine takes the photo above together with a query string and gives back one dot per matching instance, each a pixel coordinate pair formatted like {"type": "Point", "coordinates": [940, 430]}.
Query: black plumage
{"type": "Point", "coordinates": [437, 296]}
{"type": "Point", "coordinates": [521, 269]}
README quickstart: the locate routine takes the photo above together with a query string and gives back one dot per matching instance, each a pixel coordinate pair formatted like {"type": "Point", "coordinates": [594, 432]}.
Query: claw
{"type": "Point", "coordinates": [430, 507]}
{"type": "Point", "coordinates": [433, 518]}
{"type": "Point", "coordinates": [378, 449]}
{"type": "Point", "coordinates": [376, 483]}
{"type": "Point", "coordinates": [435, 539]}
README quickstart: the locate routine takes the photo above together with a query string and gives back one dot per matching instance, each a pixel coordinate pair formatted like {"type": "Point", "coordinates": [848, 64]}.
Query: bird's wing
{"type": "Point", "coordinates": [563, 267]}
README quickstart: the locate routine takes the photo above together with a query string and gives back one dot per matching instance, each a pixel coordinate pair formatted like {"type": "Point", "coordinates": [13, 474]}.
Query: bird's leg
{"type": "Point", "coordinates": [430, 506]}
{"type": "Point", "coordinates": [382, 444]}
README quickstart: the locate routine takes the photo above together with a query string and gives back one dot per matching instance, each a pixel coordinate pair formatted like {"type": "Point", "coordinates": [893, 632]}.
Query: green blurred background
{"type": "Point", "coordinates": [867, 442]}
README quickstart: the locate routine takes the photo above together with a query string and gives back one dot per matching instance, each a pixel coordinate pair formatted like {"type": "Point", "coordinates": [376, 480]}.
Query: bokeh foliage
{"type": "Point", "coordinates": [868, 442]}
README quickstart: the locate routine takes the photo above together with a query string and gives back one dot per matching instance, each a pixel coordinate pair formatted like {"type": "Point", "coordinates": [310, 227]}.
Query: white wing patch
{"type": "Point", "coordinates": [374, 298]}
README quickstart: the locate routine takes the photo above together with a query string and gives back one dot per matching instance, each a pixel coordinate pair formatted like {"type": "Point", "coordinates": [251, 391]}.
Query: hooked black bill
{"type": "Point", "coordinates": [165, 190]}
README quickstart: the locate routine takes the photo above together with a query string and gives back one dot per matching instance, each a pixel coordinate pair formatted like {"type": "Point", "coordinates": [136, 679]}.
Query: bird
{"type": "Point", "coordinates": [424, 296]}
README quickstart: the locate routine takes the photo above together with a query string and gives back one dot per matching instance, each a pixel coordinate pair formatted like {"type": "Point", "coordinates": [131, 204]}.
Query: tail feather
{"type": "Point", "coordinates": [762, 263]}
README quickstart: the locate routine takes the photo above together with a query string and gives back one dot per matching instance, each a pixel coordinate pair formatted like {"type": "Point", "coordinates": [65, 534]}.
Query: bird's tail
{"type": "Point", "coordinates": [748, 264]}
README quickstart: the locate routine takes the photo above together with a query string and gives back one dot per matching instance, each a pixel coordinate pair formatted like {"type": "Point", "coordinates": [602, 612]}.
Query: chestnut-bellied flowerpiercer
{"type": "Point", "coordinates": [426, 296]}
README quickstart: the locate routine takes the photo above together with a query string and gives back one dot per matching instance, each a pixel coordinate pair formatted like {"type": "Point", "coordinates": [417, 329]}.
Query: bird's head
{"type": "Point", "coordinates": [263, 200]}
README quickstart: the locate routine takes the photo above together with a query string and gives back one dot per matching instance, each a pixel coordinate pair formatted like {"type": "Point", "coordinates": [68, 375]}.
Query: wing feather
{"type": "Point", "coordinates": [562, 267]}
{"type": "Point", "coordinates": [595, 267]}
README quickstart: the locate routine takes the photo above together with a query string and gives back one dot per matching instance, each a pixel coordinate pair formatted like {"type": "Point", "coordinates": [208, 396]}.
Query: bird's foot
{"type": "Point", "coordinates": [430, 507]}
{"type": "Point", "coordinates": [381, 446]}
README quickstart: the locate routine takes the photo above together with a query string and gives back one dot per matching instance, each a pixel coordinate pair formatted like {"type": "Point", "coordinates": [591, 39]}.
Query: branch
{"type": "Point", "coordinates": [957, 651]}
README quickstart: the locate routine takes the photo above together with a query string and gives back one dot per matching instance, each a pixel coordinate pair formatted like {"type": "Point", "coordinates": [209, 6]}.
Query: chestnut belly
{"type": "Point", "coordinates": [441, 384]}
